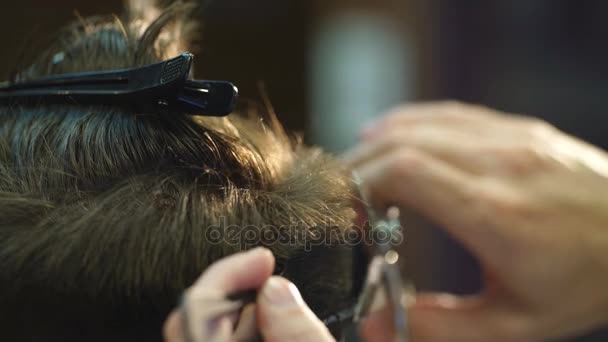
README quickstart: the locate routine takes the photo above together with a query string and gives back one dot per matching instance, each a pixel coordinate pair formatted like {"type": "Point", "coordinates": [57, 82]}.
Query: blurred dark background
{"type": "Point", "coordinates": [330, 65]}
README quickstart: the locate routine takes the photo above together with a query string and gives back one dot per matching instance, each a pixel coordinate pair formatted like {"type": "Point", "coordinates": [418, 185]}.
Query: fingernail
{"type": "Point", "coordinates": [447, 301]}
{"type": "Point", "coordinates": [259, 250]}
{"type": "Point", "coordinates": [369, 130]}
{"type": "Point", "coordinates": [281, 292]}
{"type": "Point", "coordinates": [256, 250]}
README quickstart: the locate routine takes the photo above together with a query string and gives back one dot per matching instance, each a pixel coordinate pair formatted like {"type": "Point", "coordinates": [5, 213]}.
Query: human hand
{"type": "Point", "coordinates": [279, 313]}
{"type": "Point", "coordinates": [530, 202]}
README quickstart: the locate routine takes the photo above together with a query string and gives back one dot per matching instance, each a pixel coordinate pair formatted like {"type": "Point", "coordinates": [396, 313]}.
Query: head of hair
{"type": "Point", "coordinates": [106, 214]}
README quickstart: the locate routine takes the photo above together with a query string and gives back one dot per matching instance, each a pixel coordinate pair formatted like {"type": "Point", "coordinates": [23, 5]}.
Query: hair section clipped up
{"type": "Point", "coordinates": [106, 213]}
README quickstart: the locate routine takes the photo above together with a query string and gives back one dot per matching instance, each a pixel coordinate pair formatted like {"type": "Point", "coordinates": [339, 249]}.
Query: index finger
{"type": "Point", "coordinates": [241, 271]}
{"type": "Point", "coordinates": [444, 194]}
{"type": "Point", "coordinates": [452, 113]}
{"type": "Point", "coordinates": [206, 313]}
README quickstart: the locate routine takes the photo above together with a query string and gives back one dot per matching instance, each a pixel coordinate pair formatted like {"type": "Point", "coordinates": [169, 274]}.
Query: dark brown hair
{"type": "Point", "coordinates": [105, 214]}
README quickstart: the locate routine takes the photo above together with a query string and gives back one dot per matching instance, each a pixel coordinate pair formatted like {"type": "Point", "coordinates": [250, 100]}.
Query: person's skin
{"type": "Point", "coordinates": [279, 314]}
{"type": "Point", "coordinates": [530, 202]}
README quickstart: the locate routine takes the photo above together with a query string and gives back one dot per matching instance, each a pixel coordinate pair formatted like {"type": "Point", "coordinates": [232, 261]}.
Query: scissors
{"type": "Point", "coordinates": [383, 298]}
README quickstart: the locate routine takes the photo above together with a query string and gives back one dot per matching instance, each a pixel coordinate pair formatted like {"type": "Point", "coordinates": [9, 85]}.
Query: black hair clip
{"type": "Point", "coordinates": [155, 88]}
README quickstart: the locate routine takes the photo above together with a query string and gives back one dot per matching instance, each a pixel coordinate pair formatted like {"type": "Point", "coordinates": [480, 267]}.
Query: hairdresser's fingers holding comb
{"type": "Point", "coordinates": [207, 297]}
{"type": "Point", "coordinates": [283, 315]}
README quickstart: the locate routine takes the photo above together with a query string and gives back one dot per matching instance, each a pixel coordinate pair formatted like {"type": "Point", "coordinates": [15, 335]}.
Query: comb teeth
{"type": "Point", "coordinates": [172, 70]}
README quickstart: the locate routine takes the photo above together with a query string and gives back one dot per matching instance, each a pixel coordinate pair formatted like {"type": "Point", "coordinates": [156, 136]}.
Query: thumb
{"type": "Point", "coordinates": [443, 317]}
{"type": "Point", "coordinates": [283, 315]}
